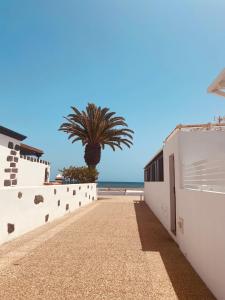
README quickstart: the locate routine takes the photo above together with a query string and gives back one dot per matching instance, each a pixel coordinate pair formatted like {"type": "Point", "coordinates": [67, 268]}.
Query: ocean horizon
{"type": "Point", "coordinates": [120, 184]}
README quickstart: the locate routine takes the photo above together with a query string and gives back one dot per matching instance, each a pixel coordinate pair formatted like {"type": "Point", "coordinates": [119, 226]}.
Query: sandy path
{"type": "Point", "coordinates": [113, 249]}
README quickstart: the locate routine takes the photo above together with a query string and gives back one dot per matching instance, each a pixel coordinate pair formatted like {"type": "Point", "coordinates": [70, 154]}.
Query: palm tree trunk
{"type": "Point", "coordinates": [92, 155]}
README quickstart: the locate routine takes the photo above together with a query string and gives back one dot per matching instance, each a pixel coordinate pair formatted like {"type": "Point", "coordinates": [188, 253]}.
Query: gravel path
{"type": "Point", "coordinates": [112, 249]}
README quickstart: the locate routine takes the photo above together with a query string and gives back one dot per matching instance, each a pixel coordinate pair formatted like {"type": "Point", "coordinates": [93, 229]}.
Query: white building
{"type": "Point", "coordinates": [26, 202]}
{"type": "Point", "coordinates": [185, 188]}
{"type": "Point", "coordinates": [20, 164]}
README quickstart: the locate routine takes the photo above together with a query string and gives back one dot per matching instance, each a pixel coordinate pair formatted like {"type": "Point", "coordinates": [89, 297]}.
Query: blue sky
{"type": "Point", "coordinates": [150, 61]}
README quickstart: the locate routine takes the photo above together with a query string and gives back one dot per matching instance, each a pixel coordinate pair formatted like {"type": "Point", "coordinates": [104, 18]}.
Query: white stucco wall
{"type": "Point", "coordinates": [31, 173]}
{"type": "Point", "coordinates": [156, 198]}
{"type": "Point", "coordinates": [199, 145]}
{"type": "Point", "coordinates": [4, 153]}
{"type": "Point", "coordinates": [18, 171]}
{"type": "Point", "coordinates": [25, 215]}
{"type": "Point", "coordinates": [157, 193]}
{"type": "Point", "coordinates": [201, 237]}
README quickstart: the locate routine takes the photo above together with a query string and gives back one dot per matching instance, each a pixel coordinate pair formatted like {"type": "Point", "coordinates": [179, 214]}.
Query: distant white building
{"type": "Point", "coordinates": [20, 164]}
{"type": "Point", "coordinates": [185, 188]}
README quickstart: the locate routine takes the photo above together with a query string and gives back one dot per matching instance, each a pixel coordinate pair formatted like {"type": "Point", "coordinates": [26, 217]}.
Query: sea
{"type": "Point", "coordinates": [120, 184]}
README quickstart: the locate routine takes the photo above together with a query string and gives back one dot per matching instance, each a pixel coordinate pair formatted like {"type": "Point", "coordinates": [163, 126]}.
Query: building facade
{"type": "Point", "coordinates": [20, 164]}
{"type": "Point", "coordinates": [185, 188]}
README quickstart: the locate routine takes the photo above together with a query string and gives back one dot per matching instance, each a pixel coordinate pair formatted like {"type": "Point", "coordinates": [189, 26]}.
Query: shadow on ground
{"type": "Point", "coordinates": [153, 236]}
{"type": "Point", "coordinates": [103, 198]}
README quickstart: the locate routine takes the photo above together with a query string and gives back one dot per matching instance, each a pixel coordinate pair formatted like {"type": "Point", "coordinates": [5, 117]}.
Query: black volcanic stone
{"type": "Point", "coordinates": [14, 182]}
{"type": "Point", "coordinates": [46, 218]}
{"type": "Point", "coordinates": [10, 227]}
{"type": "Point", "coordinates": [12, 165]}
{"type": "Point", "coordinates": [38, 199]}
{"type": "Point", "coordinates": [15, 170]}
{"type": "Point", "coordinates": [7, 182]}
{"type": "Point", "coordinates": [16, 159]}
{"type": "Point", "coordinates": [10, 145]}
{"type": "Point", "coordinates": [8, 170]}
{"type": "Point", "coordinates": [17, 147]}
{"type": "Point", "coordinates": [12, 152]}
{"type": "Point", "coordinates": [9, 158]}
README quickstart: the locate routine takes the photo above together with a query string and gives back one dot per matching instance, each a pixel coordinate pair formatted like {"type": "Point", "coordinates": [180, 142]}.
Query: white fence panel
{"type": "Point", "coordinates": [204, 175]}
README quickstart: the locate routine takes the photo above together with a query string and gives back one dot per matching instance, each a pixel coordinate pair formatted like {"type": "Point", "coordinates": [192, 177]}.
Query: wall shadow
{"type": "Point", "coordinates": [154, 237]}
{"type": "Point", "coordinates": [103, 198]}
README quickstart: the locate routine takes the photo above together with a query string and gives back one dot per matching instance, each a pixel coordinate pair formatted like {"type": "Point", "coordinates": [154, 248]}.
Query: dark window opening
{"type": "Point", "coordinates": [154, 171]}
{"type": "Point", "coordinates": [46, 175]}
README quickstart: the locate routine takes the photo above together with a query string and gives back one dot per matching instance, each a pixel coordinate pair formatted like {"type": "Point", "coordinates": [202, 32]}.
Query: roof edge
{"type": "Point", "coordinates": [179, 127]}
{"type": "Point", "coordinates": [154, 156]}
{"type": "Point", "coordinates": [204, 125]}
{"type": "Point", "coordinates": [13, 134]}
{"type": "Point", "coordinates": [31, 150]}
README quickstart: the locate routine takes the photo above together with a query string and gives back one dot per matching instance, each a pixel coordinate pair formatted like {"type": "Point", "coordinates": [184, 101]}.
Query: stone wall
{"type": "Point", "coordinates": [9, 157]}
{"type": "Point", "coordinates": [17, 170]}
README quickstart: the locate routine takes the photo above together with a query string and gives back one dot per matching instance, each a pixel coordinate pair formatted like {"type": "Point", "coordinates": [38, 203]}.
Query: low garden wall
{"type": "Point", "coordinates": [25, 208]}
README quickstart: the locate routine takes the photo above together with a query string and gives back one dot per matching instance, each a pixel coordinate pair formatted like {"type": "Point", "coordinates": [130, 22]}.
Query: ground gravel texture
{"type": "Point", "coordinates": [112, 249]}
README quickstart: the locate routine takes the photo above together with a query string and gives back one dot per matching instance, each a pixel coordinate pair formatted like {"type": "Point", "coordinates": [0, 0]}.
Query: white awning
{"type": "Point", "coordinates": [218, 85]}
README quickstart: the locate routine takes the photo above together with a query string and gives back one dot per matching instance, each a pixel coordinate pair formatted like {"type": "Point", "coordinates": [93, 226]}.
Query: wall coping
{"type": "Point", "coordinates": [32, 159]}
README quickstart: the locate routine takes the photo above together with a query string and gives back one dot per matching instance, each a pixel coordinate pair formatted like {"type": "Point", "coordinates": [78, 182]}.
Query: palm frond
{"type": "Point", "coordinates": [97, 125]}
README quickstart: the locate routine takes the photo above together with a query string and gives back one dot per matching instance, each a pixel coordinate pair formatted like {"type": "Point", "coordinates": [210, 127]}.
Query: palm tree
{"type": "Point", "coordinates": [95, 128]}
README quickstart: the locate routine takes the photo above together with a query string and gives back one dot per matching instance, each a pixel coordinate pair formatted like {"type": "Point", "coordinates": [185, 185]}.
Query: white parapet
{"type": "Point", "coordinates": [32, 172]}
{"type": "Point", "coordinates": [25, 208]}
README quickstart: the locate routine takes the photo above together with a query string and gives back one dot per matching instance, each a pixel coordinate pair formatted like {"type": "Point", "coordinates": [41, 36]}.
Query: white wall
{"type": "Point", "coordinates": [25, 215]}
{"type": "Point", "coordinates": [31, 173]}
{"type": "Point", "coordinates": [156, 196]}
{"type": "Point", "coordinates": [25, 172]}
{"type": "Point", "coordinates": [198, 145]}
{"type": "Point", "coordinates": [201, 214]}
{"type": "Point", "coordinates": [157, 193]}
{"type": "Point", "coordinates": [203, 160]}
{"type": "Point", "coordinates": [4, 153]}
{"type": "Point", "coordinates": [203, 237]}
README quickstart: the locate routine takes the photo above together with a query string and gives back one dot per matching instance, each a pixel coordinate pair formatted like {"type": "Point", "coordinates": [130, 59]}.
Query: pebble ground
{"type": "Point", "coordinates": [112, 249]}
